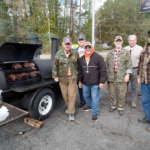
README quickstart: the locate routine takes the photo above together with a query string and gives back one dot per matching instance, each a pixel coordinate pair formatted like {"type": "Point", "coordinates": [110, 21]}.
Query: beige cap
{"type": "Point", "coordinates": [88, 44]}
{"type": "Point", "coordinates": [118, 38]}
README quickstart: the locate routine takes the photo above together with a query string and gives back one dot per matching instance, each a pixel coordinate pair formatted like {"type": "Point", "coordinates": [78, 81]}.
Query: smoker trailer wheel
{"type": "Point", "coordinates": [43, 104]}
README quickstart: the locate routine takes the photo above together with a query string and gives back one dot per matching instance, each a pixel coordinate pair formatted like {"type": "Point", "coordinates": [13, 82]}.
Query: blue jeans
{"type": "Point", "coordinates": [92, 95]}
{"type": "Point", "coordinates": [81, 96]}
{"type": "Point", "coordinates": [145, 88]}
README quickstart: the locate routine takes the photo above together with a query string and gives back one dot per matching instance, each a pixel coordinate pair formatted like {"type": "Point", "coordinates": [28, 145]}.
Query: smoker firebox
{"type": "Point", "coordinates": [26, 80]}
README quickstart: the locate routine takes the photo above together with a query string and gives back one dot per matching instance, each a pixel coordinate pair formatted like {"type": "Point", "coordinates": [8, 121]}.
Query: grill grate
{"type": "Point", "coordinates": [14, 113]}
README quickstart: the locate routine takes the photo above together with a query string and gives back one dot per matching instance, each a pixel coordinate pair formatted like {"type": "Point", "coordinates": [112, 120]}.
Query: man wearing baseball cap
{"type": "Point", "coordinates": [65, 71]}
{"type": "Point", "coordinates": [80, 49]}
{"type": "Point", "coordinates": [143, 75]}
{"type": "Point", "coordinates": [119, 68]}
{"type": "Point", "coordinates": [92, 75]}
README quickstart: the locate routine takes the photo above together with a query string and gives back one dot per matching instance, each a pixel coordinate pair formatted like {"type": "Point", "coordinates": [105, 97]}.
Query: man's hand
{"type": "Point", "coordinates": [56, 79]}
{"type": "Point", "coordinates": [126, 78]}
{"type": "Point", "coordinates": [101, 85]}
{"type": "Point", "coordinates": [139, 81]}
{"type": "Point", "coordinates": [80, 85]}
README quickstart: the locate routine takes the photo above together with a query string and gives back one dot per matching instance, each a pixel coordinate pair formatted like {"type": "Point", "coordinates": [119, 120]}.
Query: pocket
{"type": "Point", "coordinates": [63, 62]}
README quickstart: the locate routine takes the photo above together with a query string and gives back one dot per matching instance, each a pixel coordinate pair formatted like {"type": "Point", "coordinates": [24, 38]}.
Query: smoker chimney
{"type": "Point", "coordinates": [55, 46]}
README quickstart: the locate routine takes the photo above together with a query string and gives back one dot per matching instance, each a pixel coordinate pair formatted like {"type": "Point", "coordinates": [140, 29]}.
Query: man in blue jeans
{"type": "Point", "coordinates": [144, 79]}
{"type": "Point", "coordinates": [92, 75]}
{"type": "Point", "coordinates": [80, 49]}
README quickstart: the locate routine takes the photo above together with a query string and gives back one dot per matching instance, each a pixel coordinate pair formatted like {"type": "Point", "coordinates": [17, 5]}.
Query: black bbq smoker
{"type": "Point", "coordinates": [26, 82]}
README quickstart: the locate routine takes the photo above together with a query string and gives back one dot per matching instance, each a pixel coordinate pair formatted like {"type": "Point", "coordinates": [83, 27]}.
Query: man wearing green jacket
{"type": "Point", "coordinates": [119, 68]}
{"type": "Point", "coordinates": [65, 71]}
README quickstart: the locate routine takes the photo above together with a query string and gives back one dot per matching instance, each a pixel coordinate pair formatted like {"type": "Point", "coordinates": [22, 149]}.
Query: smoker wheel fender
{"type": "Point", "coordinates": [43, 104]}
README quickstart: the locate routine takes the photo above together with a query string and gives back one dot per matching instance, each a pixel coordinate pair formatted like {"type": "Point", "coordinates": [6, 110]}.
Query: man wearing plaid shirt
{"type": "Point", "coordinates": [119, 67]}
{"type": "Point", "coordinates": [144, 79]}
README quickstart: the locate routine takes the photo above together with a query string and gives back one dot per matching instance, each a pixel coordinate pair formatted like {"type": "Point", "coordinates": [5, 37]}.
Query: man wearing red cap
{"type": "Point", "coordinates": [65, 71]}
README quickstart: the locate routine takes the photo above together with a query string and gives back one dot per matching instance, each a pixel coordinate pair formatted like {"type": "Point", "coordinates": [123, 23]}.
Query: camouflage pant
{"type": "Point", "coordinates": [119, 88]}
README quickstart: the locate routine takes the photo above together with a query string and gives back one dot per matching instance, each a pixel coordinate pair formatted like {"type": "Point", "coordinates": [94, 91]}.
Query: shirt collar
{"type": "Point", "coordinates": [118, 50]}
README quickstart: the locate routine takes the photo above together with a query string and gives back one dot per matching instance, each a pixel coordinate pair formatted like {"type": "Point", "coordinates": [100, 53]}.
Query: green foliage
{"type": "Point", "coordinates": [122, 18]}
{"type": "Point", "coordinates": [34, 18]}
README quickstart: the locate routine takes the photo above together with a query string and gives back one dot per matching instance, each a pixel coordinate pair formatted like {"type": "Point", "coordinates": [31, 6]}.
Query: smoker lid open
{"type": "Point", "coordinates": [17, 52]}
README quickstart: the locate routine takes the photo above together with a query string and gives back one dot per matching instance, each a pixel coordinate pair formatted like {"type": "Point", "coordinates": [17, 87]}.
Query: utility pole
{"type": "Point", "coordinates": [93, 23]}
{"type": "Point", "coordinates": [80, 19]}
{"type": "Point", "coordinates": [72, 23]}
{"type": "Point", "coordinates": [100, 31]}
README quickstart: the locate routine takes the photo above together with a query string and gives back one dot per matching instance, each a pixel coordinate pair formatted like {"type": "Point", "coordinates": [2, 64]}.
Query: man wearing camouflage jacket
{"type": "Point", "coordinates": [65, 71]}
{"type": "Point", "coordinates": [119, 67]}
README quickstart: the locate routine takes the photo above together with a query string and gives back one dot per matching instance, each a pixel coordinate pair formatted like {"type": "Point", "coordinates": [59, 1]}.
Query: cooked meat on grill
{"type": "Point", "coordinates": [16, 66]}
{"type": "Point", "coordinates": [12, 77]}
{"type": "Point", "coordinates": [19, 77]}
{"type": "Point", "coordinates": [24, 75]}
{"type": "Point", "coordinates": [34, 73]}
{"type": "Point", "coordinates": [29, 66]}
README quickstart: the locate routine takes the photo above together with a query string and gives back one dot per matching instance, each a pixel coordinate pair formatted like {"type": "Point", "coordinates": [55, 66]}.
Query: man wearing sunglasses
{"type": "Point", "coordinates": [92, 75]}
{"type": "Point", "coordinates": [65, 71]}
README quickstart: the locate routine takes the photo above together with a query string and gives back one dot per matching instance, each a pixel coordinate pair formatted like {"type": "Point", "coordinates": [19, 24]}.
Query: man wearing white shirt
{"type": "Point", "coordinates": [135, 51]}
{"type": "Point", "coordinates": [80, 49]}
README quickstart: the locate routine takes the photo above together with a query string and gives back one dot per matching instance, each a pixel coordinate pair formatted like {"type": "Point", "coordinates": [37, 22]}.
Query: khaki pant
{"type": "Point", "coordinates": [68, 90]}
{"type": "Point", "coordinates": [120, 88]}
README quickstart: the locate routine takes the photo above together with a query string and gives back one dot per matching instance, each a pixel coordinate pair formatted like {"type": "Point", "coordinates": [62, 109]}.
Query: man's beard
{"type": "Point", "coordinates": [88, 52]}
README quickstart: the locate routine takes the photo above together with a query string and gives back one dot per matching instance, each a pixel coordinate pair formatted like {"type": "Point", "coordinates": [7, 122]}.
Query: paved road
{"type": "Point", "coordinates": [110, 132]}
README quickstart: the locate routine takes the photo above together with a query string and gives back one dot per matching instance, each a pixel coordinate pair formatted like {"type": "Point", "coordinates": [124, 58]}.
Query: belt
{"type": "Point", "coordinates": [135, 67]}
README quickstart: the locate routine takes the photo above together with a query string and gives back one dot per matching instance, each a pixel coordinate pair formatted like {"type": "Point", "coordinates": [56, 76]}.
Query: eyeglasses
{"type": "Point", "coordinates": [67, 44]}
{"type": "Point", "coordinates": [87, 47]}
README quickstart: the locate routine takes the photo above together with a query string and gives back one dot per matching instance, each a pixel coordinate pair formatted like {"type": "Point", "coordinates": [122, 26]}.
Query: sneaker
{"type": "Point", "coordinates": [94, 118]}
{"type": "Point", "coordinates": [87, 108]}
{"type": "Point", "coordinates": [71, 117]}
{"type": "Point", "coordinates": [66, 111]}
{"type": "Point", "coordinates": [133, 104]}
{"type": "Point", "coordinates": [121, 112]}
{"type": "Point", "coordinates": [144, 120]}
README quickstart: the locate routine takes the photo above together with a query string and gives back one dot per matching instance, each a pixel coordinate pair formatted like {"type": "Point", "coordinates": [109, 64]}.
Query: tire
{"type": "Point", "coordinates": [43, 104]}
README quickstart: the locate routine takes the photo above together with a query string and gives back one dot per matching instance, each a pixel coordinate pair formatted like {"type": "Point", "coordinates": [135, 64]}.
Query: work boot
{"type": "Point", "coordinates": [144, 120]}
{"type": "Point", "coordinates": [121, 112]}
{"type": "Point", "coordinates": [81, 105]}
{"type": "Point", "coordinates": [133, 104]}
{"type": "Point", "coordinates": [112, 109]}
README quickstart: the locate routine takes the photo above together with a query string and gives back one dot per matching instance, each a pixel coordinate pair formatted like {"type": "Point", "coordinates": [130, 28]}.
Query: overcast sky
{"type": "Point", "coordinates": [98, 3]}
